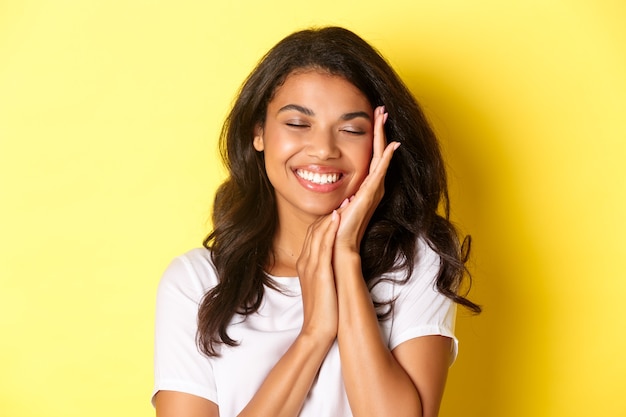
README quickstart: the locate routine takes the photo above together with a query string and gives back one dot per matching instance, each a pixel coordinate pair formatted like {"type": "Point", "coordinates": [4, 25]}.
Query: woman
{"type": "Point", "coordinates": [328, 284]}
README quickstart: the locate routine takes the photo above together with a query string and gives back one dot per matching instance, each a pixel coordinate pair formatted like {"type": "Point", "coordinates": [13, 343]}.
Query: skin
{"type": "Point", "coordinates": [319, 123]}
{"type": "Point", "coordinates": [310, 125]}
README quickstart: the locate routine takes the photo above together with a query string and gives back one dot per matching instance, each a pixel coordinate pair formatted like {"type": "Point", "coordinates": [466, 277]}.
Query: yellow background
{"type": "Point", "coordinates": [109, 114]}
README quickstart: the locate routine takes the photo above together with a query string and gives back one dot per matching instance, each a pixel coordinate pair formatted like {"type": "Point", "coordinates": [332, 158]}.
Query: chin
{"type": "Point", "coordinates": [319, 210]}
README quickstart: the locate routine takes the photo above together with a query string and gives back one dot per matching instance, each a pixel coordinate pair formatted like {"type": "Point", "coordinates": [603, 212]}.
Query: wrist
{"type": "Point", "coordinates": [347, 251]}
{"type": "Point", "coordinates": [313, 341]}
{"type": "Point", "coordinates": [346, 259]}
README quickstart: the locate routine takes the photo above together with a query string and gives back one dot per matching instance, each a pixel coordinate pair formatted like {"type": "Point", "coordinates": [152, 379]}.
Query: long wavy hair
{"type": "Point", "coordinates": [244, 212]}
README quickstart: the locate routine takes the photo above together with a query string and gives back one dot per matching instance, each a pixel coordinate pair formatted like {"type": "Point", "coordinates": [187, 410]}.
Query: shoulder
{"type": "Point", "coordinates": [178, 363]}
{"type": "Point", "coordinates": [417, 292]}
{"type": "Point", "coordinates": [191, 274]}
{"type": "Point", "coordinates": [422, 279]}
{"type": "Point", "coordinates": [426, 264]}
{"type": "Point", "coordinates": [419, 309]}
{"type": "Point", "coordinates": [426, 267]}
{"type": "Point", "coordinates": [426, 260]}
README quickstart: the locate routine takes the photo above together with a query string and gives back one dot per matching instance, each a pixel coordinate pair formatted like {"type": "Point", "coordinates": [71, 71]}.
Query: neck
{"type": "Point", "coordinates": [288, 241]}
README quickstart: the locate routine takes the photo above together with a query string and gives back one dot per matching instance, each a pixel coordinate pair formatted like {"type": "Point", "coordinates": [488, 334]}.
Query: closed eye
{"type": "Point", "coordinates": [355, 132]}
{"type": "Point", "coordinates": [297, 125]}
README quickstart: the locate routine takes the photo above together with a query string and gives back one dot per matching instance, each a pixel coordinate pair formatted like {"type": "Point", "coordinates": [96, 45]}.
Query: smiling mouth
{"type": "Point", "coordinates": [317, 178]}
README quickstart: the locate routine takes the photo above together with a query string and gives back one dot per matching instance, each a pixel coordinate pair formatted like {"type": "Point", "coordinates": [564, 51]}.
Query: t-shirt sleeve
{"type": "Point", "coordinates": [178, 363]}
{"type": "Point", "coordinates": [421, 310]}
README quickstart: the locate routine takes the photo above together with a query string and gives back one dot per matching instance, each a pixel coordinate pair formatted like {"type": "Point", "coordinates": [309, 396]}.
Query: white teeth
{"type": "Point", "coordinates": [316, 177]}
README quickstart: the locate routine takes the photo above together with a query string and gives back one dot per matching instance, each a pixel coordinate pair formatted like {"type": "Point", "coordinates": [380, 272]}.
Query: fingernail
{"type": "Point", "coordinates": [396, 145]}
{"type": "Point", "coordinates": [344, 203]}
{"type": "Point", "coordinates": [385, 116]}
{"type": "Point", "coordinates": [334, 216]}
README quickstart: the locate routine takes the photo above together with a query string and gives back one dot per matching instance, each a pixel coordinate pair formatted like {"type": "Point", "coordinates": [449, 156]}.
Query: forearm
{"type": "Point", "coordinates": [375, 382]}
{"type": "Point", "coordinates": [287, 385]}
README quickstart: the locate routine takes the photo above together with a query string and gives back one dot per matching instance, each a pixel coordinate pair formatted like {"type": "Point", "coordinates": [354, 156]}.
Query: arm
{"type": "Point", "coordinates": [289, 381]}
{"type": "Point", "coordinates": [408, 381]}
{"type": "Point", "coordinates": [291, 378]}
{"type": "Point", "coordinates": [177, 404]}
{"type": "Point", "coordinates": [284, 390]}
{"type": "Point", "coordinates": [178, 377]}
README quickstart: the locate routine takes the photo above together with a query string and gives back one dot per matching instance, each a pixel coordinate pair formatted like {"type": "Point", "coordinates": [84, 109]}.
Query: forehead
{"type": "Point", "coordinates": [315, 86]}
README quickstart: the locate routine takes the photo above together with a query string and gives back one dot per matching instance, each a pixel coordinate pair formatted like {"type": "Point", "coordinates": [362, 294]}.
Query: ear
{"type": "Point", "coordinates": [258, 139]}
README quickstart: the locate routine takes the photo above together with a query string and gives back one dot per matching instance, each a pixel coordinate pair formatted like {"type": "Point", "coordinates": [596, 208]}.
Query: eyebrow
{"type": "Point", "coordinates": [298, 108]}
{"type": "Point", "coordinates": [309, 112]}
{"type": "Point", "coordinates": [354, 115]}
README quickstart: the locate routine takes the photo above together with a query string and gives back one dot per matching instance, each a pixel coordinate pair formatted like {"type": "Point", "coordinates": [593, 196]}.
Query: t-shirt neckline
{"type": "Point", "coordinates": [288, 282]}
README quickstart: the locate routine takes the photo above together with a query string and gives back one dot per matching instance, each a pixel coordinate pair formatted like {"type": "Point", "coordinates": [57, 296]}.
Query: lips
{"type": "Point", "coordinates": [317, 177]}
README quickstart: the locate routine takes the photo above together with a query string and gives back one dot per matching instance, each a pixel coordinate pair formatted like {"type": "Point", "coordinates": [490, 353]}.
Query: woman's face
{"type": "Point", "coordinates": [317, 140]}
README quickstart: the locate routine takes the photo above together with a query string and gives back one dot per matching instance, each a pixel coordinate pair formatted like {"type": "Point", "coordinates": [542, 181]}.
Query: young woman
{"type": "Point", "coordinates": [329, 283]}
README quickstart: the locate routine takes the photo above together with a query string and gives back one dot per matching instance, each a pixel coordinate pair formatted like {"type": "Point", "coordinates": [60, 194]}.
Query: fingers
{"type": "Point", "coordinates": [328, 237]}
{"type": "Point", "coordinates": [376, 177]}
{"type": "Point", "coordinates": [318, 244]}
{"type": "Point", "coordinates": [315, 270]}
{"type": "Point", "coordinates": [385, 160]}
{"type": "Point", "coordinates": [381, 150]}
{"type": "Point", "coordinates": [380, 117]}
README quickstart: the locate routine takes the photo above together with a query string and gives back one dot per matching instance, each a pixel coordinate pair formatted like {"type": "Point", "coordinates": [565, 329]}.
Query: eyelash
{"type": "Point", "coordinates": [304, 125]}
{"type": "Point", "coordinates": [297, 125]}
{"type": "Point", "coordinates": [354, 132]}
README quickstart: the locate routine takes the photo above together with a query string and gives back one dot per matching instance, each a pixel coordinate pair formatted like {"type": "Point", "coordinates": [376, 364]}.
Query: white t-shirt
{"type": "Point", "coordinates": [233, 378]}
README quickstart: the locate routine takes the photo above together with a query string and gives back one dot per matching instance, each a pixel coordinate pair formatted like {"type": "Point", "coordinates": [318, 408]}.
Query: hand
{"type": "Point", "coordinates": [314, 266]}
{"type": "Point", "coordinates": [357, 211]}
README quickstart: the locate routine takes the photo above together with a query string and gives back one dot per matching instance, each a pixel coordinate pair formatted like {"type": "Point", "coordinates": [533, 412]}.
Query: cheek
{"type": "Point", "coordinates": [363, 157]}
{"type": "Point", "coordinates": [279, 145]}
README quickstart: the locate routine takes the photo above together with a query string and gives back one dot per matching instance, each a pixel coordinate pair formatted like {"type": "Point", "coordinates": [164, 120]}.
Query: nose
{"type": "Point", "coordinates": [323, 145]}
